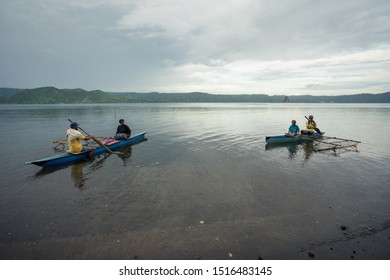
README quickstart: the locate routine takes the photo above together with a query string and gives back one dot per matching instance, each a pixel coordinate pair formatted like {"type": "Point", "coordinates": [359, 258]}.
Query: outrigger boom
{"type": "Point", "coordinates": [338, 143]}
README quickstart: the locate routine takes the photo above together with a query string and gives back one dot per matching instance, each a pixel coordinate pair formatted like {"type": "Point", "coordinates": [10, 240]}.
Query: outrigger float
{"type": "Point", "coordinates": [331, 143]}
{"type": "Point", "coordinates": [335, 143]}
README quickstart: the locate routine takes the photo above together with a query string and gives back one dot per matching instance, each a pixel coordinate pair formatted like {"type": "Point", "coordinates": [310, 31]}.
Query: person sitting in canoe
{"type": "Point", "coordinates": [123, 131]}
{"type": "Point", "coordinates": [74, 136]}
{"type": "Point", "coordinates": [311, 126]}
{"type": "Point", "coordinates": [293, 130]}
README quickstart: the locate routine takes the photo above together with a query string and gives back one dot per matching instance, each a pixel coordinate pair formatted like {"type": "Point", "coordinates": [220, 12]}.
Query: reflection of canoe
{"type": "Point", "coordinates": [277, 146]}
{"type": "Point", "coordinates": [66, 158]}
{"type": "Point", "coordinates": [287, 139]}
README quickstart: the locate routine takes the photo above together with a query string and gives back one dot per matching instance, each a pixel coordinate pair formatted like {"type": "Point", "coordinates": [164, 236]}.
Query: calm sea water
{"type": "Point", "coordinates": [204, 184]}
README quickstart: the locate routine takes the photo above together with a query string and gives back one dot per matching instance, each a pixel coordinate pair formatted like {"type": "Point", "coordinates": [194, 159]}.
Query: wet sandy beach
{"type": "Point", "coordinates": [204, 242]}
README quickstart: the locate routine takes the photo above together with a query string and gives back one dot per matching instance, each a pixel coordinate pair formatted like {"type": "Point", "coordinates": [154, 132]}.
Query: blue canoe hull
{"type": "Point", "coordinates": [286, 139]}
{"type": "Point", "coordinates": [67, 158]}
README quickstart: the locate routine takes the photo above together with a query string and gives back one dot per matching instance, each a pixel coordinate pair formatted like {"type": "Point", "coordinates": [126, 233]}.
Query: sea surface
{"type": "Point", "coordinates": [203, 186]}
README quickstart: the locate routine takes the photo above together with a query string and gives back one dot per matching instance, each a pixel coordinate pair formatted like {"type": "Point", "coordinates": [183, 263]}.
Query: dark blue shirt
{"type": "Point", "coordinates": [123, 129]}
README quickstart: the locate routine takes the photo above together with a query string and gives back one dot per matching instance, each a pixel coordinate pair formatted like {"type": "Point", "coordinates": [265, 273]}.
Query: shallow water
{"type": "Point", "coordinates": [204, 179]}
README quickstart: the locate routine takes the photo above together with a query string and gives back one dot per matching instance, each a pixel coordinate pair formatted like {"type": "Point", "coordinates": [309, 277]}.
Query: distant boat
{"type": "Point", "coordinates": [67, 158]}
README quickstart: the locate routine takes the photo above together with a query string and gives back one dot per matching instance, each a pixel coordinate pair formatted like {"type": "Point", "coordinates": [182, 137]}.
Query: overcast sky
{"type": "Point", "coordinates": [290, 47]}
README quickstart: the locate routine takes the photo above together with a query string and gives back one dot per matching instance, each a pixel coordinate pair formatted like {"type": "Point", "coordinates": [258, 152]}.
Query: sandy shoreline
{"type": "Point", "coordinates": [204, 242]}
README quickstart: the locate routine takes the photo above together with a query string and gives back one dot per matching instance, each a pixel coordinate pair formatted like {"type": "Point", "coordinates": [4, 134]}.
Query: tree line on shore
{"type": "Point", "coordinates": [52, 95]}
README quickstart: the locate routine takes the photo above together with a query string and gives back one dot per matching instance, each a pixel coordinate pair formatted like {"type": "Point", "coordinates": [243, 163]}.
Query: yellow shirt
{"type": "Point", "coordinates": [74, 138]}
{"type": "Point", "coordinates": [311, 125]}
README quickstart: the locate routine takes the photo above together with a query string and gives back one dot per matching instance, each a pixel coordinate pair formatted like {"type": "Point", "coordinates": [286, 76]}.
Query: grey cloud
{"type": "Point", "coordinates": [132, 45]}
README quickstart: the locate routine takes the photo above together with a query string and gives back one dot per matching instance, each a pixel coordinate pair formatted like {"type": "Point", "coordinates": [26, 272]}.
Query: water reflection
{"type": "Point", "coordinates": [80, 172]}
{"type": "Point", "coordinates": [308, 149]}
{"type": "Point", "coordinates": [293, 148]}
{"type": "Point", "coordinates": [77, 175]}
{"type": "Point", "coordinates": [125, 155]}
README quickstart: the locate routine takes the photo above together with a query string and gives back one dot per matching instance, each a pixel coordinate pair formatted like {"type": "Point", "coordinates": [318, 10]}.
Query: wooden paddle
{"type": "Point", "coordinates": [316, 129]}
{"type": "Point", "coordinates": [94, 139]}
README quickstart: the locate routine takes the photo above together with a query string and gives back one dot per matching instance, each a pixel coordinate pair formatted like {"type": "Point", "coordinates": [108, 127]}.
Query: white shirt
{"type": "Point", "coordinates": [73, 134]}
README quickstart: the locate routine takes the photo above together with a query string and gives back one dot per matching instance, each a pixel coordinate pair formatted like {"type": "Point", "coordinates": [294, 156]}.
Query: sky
{"type": "Point", "coordinates": [288, 47]}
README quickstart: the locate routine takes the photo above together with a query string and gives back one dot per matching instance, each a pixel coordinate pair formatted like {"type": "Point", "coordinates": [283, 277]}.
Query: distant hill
{"type": "Point", "coordinates": [356, 98]}
{"type": "Point", "coordinates": [6, 91]}
{"type": "Point", "coordinates": [205, 97]}
{"type": "Point", "coordinates": [197, 97]}
{"type": "Point", "coordinates": [52, 95]}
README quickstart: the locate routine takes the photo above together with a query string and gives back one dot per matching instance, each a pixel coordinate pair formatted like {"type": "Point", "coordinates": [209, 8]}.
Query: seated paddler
{"type": "Point", "coordinates": [311, 127]}
{"type": "Point", "coordinates": [74, 136]}
{"type": "Point", "coordinates": [293, 130]}
{"type": "Point", "coordinates": [123, 131]}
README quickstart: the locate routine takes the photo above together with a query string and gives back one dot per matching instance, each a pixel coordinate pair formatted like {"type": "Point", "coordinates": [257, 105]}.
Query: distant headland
{"type": "Point", "coordinates": [52, 95]}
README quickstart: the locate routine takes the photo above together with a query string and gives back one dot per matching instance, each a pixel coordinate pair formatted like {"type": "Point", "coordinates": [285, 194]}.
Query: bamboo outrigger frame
{"type": "Point", "coordinates": [61, 144]}
{"type": "Point", "coordinates": [336, 144]}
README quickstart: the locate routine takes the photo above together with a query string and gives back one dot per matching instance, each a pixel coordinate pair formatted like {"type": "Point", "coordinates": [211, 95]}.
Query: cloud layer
{"type": "Point", "coordinates": [230, 46]}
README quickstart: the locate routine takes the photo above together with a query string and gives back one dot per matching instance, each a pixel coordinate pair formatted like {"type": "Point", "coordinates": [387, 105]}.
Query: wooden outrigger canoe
{"type": "Point", "coordinates": [278, 139]}
{"type": "Point", "coordinates": [67, 158]}
{"type": "Point", "coordinates": [331, 143]}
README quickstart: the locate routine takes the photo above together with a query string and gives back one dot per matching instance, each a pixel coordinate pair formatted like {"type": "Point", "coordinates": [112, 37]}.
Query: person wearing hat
{"type": "Point", "coordinates": [123, 131]}
{"type": "Point", "coordinates": [74, 136]}
{"type": "Point", "coordinates": [311, 126]}
{"type": "Point", "coordinates": [293, 130]}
